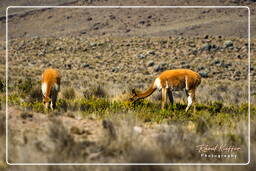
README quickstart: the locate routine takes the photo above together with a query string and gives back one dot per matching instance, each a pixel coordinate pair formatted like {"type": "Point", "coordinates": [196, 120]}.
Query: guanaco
{"type": "Point", "coordinates": [172, 80]}
{"type": "Point", "coordinates": [50, 87]}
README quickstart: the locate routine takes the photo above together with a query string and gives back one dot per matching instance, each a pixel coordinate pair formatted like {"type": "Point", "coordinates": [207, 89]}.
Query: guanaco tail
{"type": "Point", "coordinates": [50, 87]}
{"type": "Point", "coordinates": [173, 80]}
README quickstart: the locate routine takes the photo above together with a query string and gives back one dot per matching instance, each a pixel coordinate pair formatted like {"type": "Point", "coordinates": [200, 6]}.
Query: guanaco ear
{"type": "Point", "coordinates": [134, 92]}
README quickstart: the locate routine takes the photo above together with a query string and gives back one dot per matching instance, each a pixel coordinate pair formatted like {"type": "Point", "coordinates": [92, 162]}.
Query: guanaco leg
{"type": "Point", "coordinates": [170, 96]}
{"type": "Point", "coordinates": [191, 99]}
{"type": "Point", "coordinates": [164, 91]}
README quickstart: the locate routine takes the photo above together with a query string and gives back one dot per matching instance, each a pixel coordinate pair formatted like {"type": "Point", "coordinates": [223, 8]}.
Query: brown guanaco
{"type": "Point", "coordinates": [172, 80]}
{"type": "Point", "coordinates": [50, 87]}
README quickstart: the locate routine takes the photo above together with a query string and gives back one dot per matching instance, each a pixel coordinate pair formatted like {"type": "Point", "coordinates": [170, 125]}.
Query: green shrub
{"type": "Point", "coordinates": [62, 105]}
{"type": "Point", "coordinates": [215, 107]}
{"type": "Point", "coordinates": [24, 85]}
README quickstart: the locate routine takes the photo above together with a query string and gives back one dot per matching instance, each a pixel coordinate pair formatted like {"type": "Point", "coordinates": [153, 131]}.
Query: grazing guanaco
{"type": "Point", "coordinates": [50, 87]}
{"type": "Point", "coordinates": [173, 80]}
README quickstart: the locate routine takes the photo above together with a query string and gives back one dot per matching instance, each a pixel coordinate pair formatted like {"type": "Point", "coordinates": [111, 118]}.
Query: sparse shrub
{"type": "Point", "coordinates": [35, 95]}
{"type": "Point", "coordinates": [26, 115]}
{"type": "Point", "coordinates": [97, 91]}
{"type": "Point", "coordinates": [24, 85]}
{"type": "Point", "coordinates": [14, 99]}
{"type": "Point", "coordinates": [69, 93]}
{"type": "Point", "coordinates": [38, 107]}
{"type": "Point", "coordinates": [84, 106]}
{"type": "Point", "coordinates": [179, 106]}
{"type": "Point", "coordinates": [215, 107]}
{"type": "Point", "coordinates": [62, 104]}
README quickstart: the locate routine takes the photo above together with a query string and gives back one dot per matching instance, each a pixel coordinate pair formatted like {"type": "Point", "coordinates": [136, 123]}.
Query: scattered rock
{"type": "Point", "coordinates": [83, 32]}
{"type": "Point", "coordinates": [85, 65]}
{"type": "Point", "coordinates": [150, 63]}
{"type": "Point", "coordinates": [142, 22]}
{"type": "Point", "coordinates": [228, 43]}
{"type": "Point", "coordinates": [200, 68]}
{"type": "Point", "coordinates": [182, 62]}
{"type": "Point", "coordinates": [76, 130]}
{"type": "Point", "coordinates": [217, 62]}
{"type": "Point", "coordinates": [26, 115]}
{"type": "Point", "coordinates": [59, 48]}
{"type": "Point", "coordinates": [112, 17]}
{"type": "Point", "coordinates": [151, 52]}
{"type": "Point", "coordinates": [161, 67]}
{"type": "Point", "coordinates": [89, 18]}
{"type": "Point", "coordinates": [237, 73]}
{"type": "Point", "coordinates": [115, 69]}
{"type": "Point", "coordinates": [127, 30]}
{"type": "Point", "coordinates": [67, 66]}
{"type": "Point", "coordinates": [207, 47]}
{"type": "Point", "coordinates": [141, 56]}
{"type": "Point", "coordinates": [41, 53]}
{"type": "Point", "coordinates": [239, 56]}
{"type": "Point", "coordinates": [203, 74]}
{"type": "Point", "coordinates": [98, 56]}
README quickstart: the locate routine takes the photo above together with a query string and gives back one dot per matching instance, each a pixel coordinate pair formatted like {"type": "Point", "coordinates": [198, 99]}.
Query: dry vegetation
{"type": "Point", "coordinates": [97, 75]}
{"type": "Point", "coordinates": [94, 121]}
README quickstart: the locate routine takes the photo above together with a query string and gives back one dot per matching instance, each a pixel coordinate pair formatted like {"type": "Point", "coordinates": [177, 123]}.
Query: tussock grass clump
{"type": "Point", "coordinates": [24, 85]}
{"type": "Point", "coordinates": [98, 92]}
{"type": "Point", "coordinates": [62, 105]}
{"type": "Point", "coordinates": [69, 93]}
{"type": "Point", "coordinates": [35, 95]}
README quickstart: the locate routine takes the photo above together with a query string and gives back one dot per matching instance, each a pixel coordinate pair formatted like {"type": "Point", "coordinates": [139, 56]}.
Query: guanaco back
{"type": "Point", "coordinates": [173, 80]}
{"type": "Point", "coordinates": [50, 87]}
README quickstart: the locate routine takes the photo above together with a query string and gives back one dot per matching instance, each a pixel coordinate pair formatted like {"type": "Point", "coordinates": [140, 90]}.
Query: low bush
{"type": "Point", "coordinates": [69, 93]}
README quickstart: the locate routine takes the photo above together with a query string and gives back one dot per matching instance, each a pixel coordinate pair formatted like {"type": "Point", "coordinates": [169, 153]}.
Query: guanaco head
{"type": "Point", "coordinates": [46, 101]}
{"type": "Point", "coordinates": [134, 96]}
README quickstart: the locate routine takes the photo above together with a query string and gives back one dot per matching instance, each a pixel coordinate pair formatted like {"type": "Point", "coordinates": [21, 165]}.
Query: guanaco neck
{"type": "Point", "coordinates": [147, 93]}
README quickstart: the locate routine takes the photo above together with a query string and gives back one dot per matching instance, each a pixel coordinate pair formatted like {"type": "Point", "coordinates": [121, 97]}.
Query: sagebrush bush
{"type": "Point", "coordinates": [69, 93]}
{"type": "Point", "coordinates": [97, 91]}
{"type": "Point", "coordinates": [35, 95]}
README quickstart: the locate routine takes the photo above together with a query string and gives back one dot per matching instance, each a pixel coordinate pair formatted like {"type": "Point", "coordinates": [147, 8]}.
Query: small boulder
{"type": "Point", "coordinates": [150, 63]}
{"type": "Point", "coordinates": [207, 47]}
{"type": "Point", "coordinates": [85, 65]}
{"type": "Point", "coordinates": [141, 56]}
{"type": "Point", "coordinates": [228, 43]}
{"type": "Point", "coordinates": [204, 74]}
{"type": "Point", "coordinates": [151, 52]}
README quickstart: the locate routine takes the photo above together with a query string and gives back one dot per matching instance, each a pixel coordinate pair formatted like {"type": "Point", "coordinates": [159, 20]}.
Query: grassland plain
{"type": "Point", "coordinates": [94, 121]}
